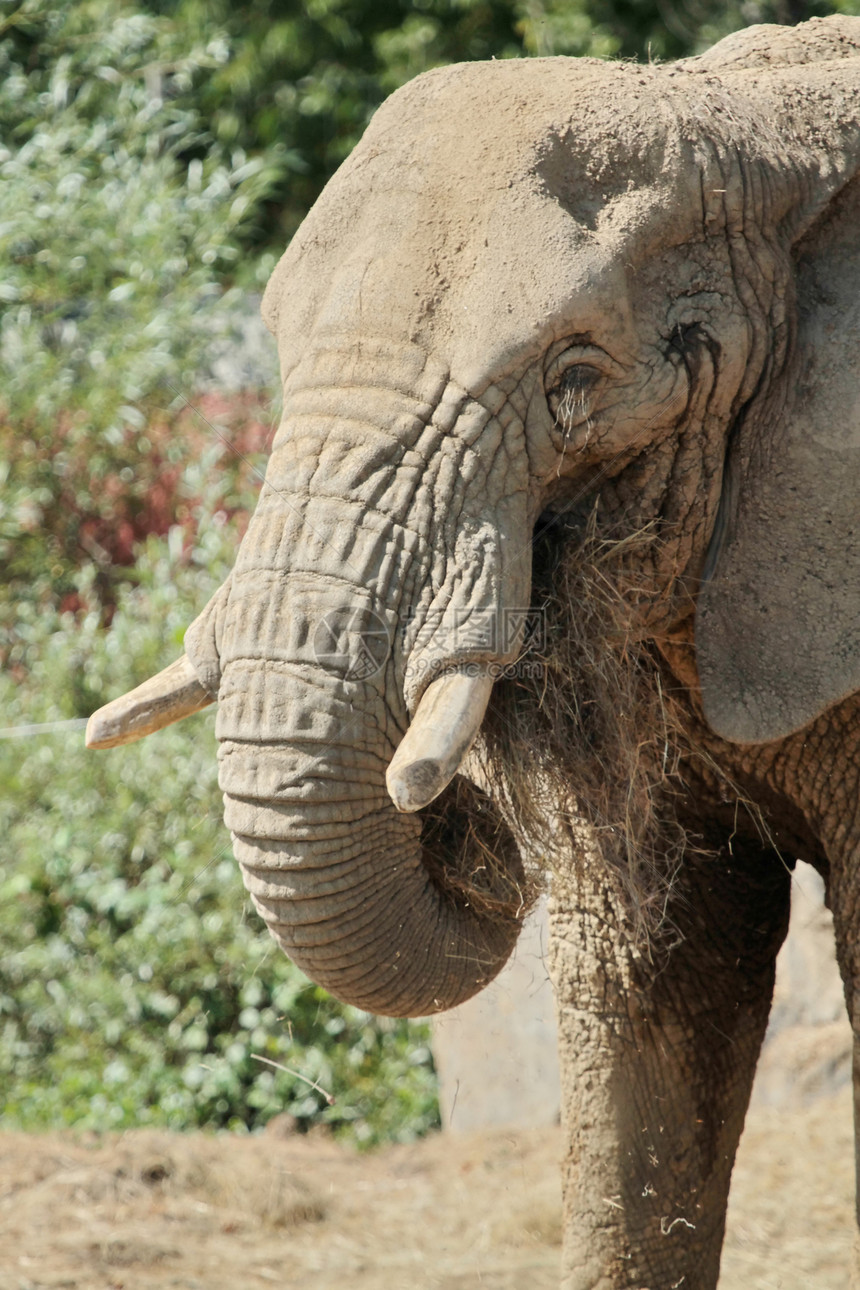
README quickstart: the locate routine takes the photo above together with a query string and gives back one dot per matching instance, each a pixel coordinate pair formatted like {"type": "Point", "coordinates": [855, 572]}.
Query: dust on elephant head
{"type": "Point", "coordinates": [532, 281]}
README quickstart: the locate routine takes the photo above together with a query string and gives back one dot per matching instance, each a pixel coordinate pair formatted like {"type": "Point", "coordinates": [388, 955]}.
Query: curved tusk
{"type": "Point", "coordinates": [171, 695]}
{"type": "Point", "coordinates": [443, 730]}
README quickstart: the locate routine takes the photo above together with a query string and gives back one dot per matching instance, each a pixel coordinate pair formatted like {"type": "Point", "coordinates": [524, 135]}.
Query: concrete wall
{"type": "Point", "coordinates": [497, 1057]}
{"type": "Point", "coordinates": [808, 1047]}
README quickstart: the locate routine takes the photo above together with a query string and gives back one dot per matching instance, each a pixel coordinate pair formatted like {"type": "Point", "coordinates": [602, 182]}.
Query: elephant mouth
{"type": "Point", "coordinates": [470, 852]}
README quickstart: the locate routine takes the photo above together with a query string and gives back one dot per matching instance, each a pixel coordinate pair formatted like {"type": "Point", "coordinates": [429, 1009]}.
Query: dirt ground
{"type": "Point", "coordinates": [159, 1211]}
{"type": "Point", "coordinates": [152, 1211]}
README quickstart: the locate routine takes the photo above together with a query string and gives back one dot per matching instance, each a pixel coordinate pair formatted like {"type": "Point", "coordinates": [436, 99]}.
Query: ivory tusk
{"type": "Point", "coordinates": [443, 730]}
{"type": "Point", "coordinates": [171, 695]}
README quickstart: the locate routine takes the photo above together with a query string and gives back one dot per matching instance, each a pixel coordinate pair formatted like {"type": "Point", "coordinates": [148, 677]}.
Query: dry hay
{"type": "Point", "coordinates": [154, 1211]}
{"type": "Point", "coordinates": [155, 1166]}
{"type": "Point", "coordinates": [594, 738]}
{"type": "Point", "coordinates": [443, 1214]}
{"type": "Point", "coordinates": [579, 752]}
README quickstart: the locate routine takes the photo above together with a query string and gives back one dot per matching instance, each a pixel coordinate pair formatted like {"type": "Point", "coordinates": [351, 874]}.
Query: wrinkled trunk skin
{"type": "Point", "coordinates": [319, 644]}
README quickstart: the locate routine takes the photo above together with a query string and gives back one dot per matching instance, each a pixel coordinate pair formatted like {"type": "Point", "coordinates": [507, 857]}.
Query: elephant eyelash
{"type": "Point", "coordinates": [569, 400]}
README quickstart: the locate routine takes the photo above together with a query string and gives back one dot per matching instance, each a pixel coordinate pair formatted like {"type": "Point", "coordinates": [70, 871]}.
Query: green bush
{"type": "Point", "coordinates": [113, 256]}
{"type": "Point", "coordinates": [136, 982]}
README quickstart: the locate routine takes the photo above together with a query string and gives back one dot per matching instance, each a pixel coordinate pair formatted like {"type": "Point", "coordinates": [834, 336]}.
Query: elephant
{"type": "Point", "coordinates": [582, 339]}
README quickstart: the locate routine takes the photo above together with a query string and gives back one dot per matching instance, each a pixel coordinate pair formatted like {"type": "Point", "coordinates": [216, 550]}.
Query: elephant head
{"type": "Point", "coordinates": [531, 281]}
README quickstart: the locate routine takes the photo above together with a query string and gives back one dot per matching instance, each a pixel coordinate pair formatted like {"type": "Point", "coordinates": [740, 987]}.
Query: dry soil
{"type": "Point", "coordinates": [148, 1211]}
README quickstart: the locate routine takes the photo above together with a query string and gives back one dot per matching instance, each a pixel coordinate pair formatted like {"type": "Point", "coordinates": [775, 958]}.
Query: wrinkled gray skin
{"type": "Point", "coordinates": [679, 246]}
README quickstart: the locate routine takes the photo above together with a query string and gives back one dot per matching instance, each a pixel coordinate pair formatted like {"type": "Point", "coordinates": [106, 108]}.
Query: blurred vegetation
{"type": "Point", "coordinates": [154, 159]}
{"type": "Point", "coordinates": [137, 986]}
{"type": "Point", "coordinates": [303, 79]}
{"type": "Point", "coordinates": [114, 253]}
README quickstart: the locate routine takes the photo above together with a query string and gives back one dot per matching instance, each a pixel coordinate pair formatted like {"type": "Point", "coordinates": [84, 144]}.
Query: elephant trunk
{"type": "Point", "coordinates": [362, 898]}
{"type": "Point", "coordinates": [352, 569]}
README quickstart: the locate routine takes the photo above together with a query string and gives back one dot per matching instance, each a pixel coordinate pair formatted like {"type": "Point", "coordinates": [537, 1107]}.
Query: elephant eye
{"type": "Point", "coordinates": [569, 396]}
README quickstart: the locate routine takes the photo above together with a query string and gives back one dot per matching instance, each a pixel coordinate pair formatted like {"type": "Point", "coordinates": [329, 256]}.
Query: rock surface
{"type": "Point", "coordinates": [497, 1057]}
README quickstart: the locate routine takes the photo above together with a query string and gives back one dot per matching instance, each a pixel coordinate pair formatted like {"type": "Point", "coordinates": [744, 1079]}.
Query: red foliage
{"type": "Point", "coordinates": [121, 512]}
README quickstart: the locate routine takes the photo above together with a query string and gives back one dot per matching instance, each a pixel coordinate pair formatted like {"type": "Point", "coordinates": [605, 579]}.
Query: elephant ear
{"type": "Point", "coordinates": [778, 614]}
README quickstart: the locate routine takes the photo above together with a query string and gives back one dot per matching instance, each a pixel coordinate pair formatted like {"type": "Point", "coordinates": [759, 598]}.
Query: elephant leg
{"type": "Point", "coordinates": [658, 1054]}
